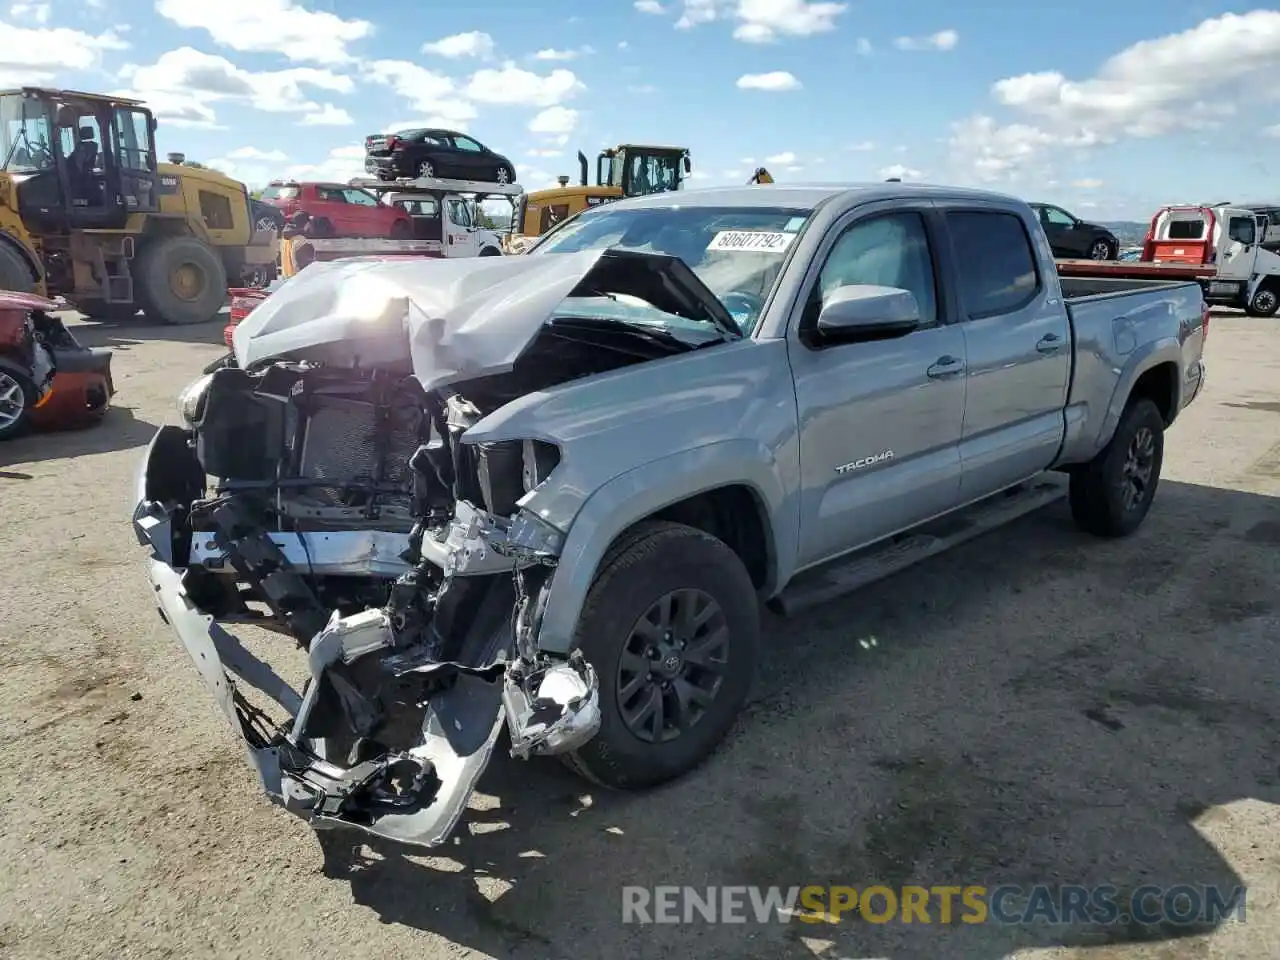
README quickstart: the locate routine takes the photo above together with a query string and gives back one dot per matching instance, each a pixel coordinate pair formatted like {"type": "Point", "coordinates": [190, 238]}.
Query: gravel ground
{"type": "Point", "coordinates": [1037, 707]}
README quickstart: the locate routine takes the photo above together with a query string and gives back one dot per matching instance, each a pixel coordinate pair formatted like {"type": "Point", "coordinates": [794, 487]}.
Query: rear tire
{"type": "Point", "coordinates": [426, 169]}
{"type": "Point", "coordinates": [319, 228]}
{"type": "Point", "coordinates": [1101, 250]}
{"type": "Point", "coordinates": [490, 252]}
{"type": "Point", "coordinates": [180, 281]}
{"type": "Point", "coordinates": [1108, 495]}
{"type": "Point", "coordinates": [653, 561]}
{"type": "Point", "coordinates": [504, 175]}
{"type": "Point", "coordinates": [17, 397]}
{"type": "Point", "coordinates": [401, 231]}
{"type": "Point", "coordinates": [15, 273]}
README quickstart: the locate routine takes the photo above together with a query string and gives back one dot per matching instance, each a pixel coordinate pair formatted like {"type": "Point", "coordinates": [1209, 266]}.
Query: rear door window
{"type": "Point", "coordinates": [995, 262]}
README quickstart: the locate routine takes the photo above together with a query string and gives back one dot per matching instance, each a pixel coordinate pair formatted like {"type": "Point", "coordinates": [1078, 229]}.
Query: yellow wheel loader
{"type": "Point", "coordinates": [87, 213]}
{"type": "Point", "coordinates": [627, 170]}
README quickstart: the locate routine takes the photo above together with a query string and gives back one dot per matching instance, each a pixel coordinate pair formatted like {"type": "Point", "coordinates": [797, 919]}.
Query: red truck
{"type": "Point", "coordinates": [337, 210]}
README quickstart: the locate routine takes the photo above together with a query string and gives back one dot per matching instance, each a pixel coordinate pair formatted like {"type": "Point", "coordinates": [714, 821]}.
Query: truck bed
{"type": "Point", "coordinates": [1077, 288]}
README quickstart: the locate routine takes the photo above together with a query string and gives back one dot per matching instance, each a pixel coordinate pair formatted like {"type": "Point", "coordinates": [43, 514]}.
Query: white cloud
{"type": "Point", "coordinates": [942, 40]}
{"type": "Point", "coordinates": [1087, 184]}
{"type": "Point", "coordinates": [1273, 131]}
{"type": "Point", "coordinates": [340, 165]}
{"type": "Point", "coordinates": [37, 13]}
{"type": "Point", "coordinates": [553, 54]}
{"type": "Point", "coordinates": [183, 84]}
{"type": "Point", "coordinates": [270, 26]}
{"type": "Point", "coordinates": [555, 122]}
{"type": "Point", "coordinates": [1156, 86]}
{"type": "Point", "coordinates": [328, 116]}
{"type": "Point", "coordinates": [544, 153]}
{"type": "Point", "coordinates": [764, 21]}
{"type": "Point", "coordinates": [781, 159]}
{"type": "Point", "coordinates": [39, 56]}
{"type": "Point", "coordinates": [643, 89]}
{"type": "Point", "coordinates": [900, 172]}
{"type": "Point", "coordinates": [650, 6]}
{"type": "Point", "coordinates": [863, 46]}
{"type": "Point", "coordinates": [1181, 81]}
{"type": "Point", "coordinates": [866, 146]}
{"type": "Point", "coordinates": [429, 93]}
{"type": "Point", "coordinates": [622, 44]}
{"type": "Point", "coordinates": [472, 44]}
{"type": "Point", "coordinates": [253, 153]}
{"type": "Point", "coordinates": [748, 160]}
{"type": "Point", "coordinates": [777, 80]}
{"type": "Point", "coordinates": [512, 85]}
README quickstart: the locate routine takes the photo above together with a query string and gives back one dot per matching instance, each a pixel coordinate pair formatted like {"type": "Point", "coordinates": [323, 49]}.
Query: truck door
{"type": "Point", "coordinates": [881, 421]}
{"type": "Point", "coordinates": [1237, 245]}
{"type": "Point", "coordinates": [460, 239]}
{"type": "Point", "coordinates": [1018, 343]}
{"type": "Point", "coordinates": [331, 204]}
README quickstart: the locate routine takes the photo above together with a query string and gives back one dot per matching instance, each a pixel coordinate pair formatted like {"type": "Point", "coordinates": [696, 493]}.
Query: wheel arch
{"type": "Point", "coordinates": [738, 499]}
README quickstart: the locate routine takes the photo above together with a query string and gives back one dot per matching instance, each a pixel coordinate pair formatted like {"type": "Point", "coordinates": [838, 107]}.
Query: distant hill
{"type": "Point", "coordinates": [1130, 233]}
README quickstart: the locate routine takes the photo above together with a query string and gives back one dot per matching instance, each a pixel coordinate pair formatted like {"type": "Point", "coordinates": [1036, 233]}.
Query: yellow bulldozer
{"type": "Point", "coordinates": [89, 215]}
{"type": "Point", "coordinates": [627, 170]}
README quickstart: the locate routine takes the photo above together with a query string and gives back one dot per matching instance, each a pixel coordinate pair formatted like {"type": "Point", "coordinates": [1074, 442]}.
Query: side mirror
{"type": "Point", "coordinates": [862, 312]}
{"type": "Point", "coordinates": [688, 165]}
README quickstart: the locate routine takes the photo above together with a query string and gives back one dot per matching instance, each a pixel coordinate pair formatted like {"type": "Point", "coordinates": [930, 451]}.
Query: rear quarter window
{"type": "Point", "coordinates": [995, 262]}
{"type": "Point", "coordinates": [280, 193]}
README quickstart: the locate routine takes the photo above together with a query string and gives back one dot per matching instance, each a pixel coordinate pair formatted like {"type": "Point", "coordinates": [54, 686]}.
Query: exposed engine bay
{"type": "Point", "coordinates": [339, 504]}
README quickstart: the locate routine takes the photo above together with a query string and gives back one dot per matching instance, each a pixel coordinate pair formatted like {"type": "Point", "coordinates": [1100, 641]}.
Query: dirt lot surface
{"type": "Point", "coordinates": [1037, 707]}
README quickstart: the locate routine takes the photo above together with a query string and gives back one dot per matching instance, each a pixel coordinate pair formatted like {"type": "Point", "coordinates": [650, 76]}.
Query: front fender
{"type": "Point", "coordinates": [645, 490]}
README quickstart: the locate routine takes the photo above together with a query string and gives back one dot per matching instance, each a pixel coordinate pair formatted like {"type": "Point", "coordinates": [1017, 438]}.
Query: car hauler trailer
{"type": "Point", "coordinates": [445, 224]}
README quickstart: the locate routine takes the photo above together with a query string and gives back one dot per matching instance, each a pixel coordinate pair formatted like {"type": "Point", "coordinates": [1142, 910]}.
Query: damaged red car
{"type": "Point", "coordinates": [48, 380]}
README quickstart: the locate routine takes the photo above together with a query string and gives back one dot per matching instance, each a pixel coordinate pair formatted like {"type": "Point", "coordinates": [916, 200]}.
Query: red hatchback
{"type": "Point", "coordinates": [338, 210]}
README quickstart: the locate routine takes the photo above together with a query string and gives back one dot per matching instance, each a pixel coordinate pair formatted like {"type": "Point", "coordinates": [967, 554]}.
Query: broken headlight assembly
{"type": "Point", "coordinates": [191, 400]}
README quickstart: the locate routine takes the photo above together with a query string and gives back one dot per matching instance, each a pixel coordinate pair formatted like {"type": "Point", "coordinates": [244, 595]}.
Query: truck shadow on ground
{"type": "Point", "coordinates": [122, 334]}
{"type": "Point", "coordinates": [120, 429]}
{"type": "Point", "coordinates": [1036, 707]}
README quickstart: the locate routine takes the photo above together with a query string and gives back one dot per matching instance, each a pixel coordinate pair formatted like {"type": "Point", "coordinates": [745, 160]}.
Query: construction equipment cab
{"type": "Point", "coordinates": [628, 170]}
{"type": "Point", "coordinates": [87, 213]}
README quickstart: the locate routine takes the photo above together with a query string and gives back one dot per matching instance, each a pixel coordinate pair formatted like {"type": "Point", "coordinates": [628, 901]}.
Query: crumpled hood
{"type": "Point", "coordinates": [449, 320]}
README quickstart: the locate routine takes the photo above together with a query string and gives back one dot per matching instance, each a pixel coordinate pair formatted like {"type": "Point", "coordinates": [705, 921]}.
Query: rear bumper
{"type": "Point", "coordinates": [383, 167]}
{"type": "Point", "coordinates": [386, 739]}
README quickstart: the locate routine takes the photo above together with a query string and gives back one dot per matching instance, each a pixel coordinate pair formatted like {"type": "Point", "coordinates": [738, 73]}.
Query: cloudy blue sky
{"type": "Point", "coordinates": [1110, 111]}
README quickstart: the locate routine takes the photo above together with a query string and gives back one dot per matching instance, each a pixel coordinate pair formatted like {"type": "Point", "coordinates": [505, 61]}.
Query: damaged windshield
{"type": "Point", "coordinates": [736, 251]}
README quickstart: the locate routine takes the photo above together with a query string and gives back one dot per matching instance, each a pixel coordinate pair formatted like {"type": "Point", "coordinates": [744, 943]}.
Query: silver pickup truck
{"type": "Point", "coordinates": [549, 493]}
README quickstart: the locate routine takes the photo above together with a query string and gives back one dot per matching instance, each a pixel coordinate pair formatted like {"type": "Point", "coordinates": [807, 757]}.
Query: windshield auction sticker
{"type": "Point", "coordinates": [752, 241]}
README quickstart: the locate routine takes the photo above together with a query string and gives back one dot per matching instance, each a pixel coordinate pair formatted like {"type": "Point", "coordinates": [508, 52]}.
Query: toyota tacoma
{"type": "Point", "coordinates": [549, 493]}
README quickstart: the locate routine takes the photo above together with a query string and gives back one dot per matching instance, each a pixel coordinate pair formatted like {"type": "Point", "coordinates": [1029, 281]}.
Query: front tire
{"type": "Point", "coordinates": [672, 626]}
{"type": "Point", "coordinates": [1111, 495]}
{"type": "Point", "coordinates": [1265, 302]}
{"type": "Point", "coordinates": [17, 396]}
{"type": "Point", "coordinates": [15, 274]}
{"type": "Point", "coordinates": [180, 281]}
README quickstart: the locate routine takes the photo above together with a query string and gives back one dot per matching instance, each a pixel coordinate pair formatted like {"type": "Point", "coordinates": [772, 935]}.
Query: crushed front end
{"type": "Point", "coordinates": [396, 557]}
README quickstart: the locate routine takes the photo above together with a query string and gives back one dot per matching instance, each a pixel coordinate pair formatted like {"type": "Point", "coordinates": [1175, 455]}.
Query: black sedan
{"type": "Point", "coordinates": [434, 153]}
{"type": "Point", "coordinates": [1074, 239]}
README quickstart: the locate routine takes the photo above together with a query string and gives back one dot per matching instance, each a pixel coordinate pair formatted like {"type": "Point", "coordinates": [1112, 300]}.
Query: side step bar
{"type": "Point", "coordinates": [847, 574]}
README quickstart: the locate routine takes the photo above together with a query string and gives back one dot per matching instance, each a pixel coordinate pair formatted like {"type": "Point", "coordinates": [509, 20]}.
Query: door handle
{"type": "Point", "coordinates": [944, 367]}
{"type": "Point", "coordinates": [1050, 343]}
